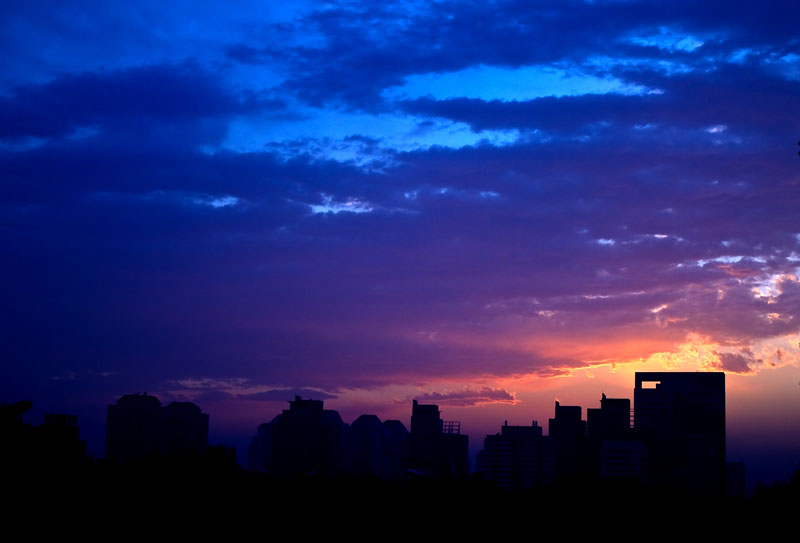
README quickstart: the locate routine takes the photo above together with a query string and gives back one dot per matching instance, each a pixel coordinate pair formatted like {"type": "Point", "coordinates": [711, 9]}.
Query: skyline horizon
{"type": "Point", "coordinates": [781, 468]}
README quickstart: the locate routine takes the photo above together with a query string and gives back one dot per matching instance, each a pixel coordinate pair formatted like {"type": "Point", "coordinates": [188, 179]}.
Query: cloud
{"type": "Point", "coordinates": [125, 99]}
{"type": "Point", "coordinates": [736, 362]}
{"type": "Point", "coordinates": [348, 54]}
{"type": "Point", "coordinates": [681, 104]}
{"type": "Point", "coordinates": [352, 299]}
{"type": "Point", "coordinates": [470, 397]}
{"type": "Point", "coordinates": [144, 245]}
{"type": "Point", "coordinates": [209, 389]}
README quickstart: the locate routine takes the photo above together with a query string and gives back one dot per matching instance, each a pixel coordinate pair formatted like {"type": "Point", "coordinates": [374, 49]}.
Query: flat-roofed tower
{"type": "Point", "coordinates": [681, 417]}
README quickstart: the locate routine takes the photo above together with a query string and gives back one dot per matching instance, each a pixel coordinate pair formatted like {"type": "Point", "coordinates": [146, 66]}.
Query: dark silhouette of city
{"type": "Point", "coordinates": [668, 451]}
{"type": "Point", "coordinates": [307, 439]}
{"type": "Point", "coordinates": [674, 438]}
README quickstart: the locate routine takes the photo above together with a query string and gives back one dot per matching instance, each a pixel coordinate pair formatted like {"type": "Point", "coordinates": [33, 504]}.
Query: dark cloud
{"type": "Point", "coordinates": [736, 362]}
{"type": "Point", "coordinates": [368, 48]}
{"type": "Point", "coordinates": [703, 103]}
{"type": "Point", "coordinates": [470, 397]}
{"type": "Point", "coordinates": [122, 100]}
{"type": "Point", "coordinates": [147, 272]}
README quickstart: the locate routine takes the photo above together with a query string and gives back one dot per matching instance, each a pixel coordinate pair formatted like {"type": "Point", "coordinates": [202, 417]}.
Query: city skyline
{"type": "Point", "coordinates": [675, 439]}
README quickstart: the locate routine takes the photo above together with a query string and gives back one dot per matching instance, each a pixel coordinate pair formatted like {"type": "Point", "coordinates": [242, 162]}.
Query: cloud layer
{"type": "Point", "coordinates": [337, 198]}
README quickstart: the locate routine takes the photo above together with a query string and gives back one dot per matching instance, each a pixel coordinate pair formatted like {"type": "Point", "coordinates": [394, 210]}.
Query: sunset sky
{"type": "Point", "coordinates": [486, 205]}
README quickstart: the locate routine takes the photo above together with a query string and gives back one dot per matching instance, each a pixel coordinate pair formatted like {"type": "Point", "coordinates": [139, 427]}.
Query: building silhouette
{"type": "Point", "coordinates": [568, 432]}
{"type": "Point", "coordinates": [185, 428]}
{"type": "Point", "coordinates": [614, 450]}
{"type": "Point", "coordinates": [304, 439]}
{"type": "Point", "coordinates": [138, 427]}
{"type": "Point", "coordinates": [308, 439]}
{"type": "Point", "coordinates": [518, 457]}
{"type": "Point", "coordinates": [681, 418]}
{"type": "Point", "coordinates": [133, 429]}
{"type": "Point", "coordinates": [395, 449]}
{"type": "Point", "coordinates": [53, 448]}
{"type": "Point", "coordinates": [378, 449]}
{"type": "Point", "coordinates": [366, 441]}
{"type": "Point", "coordinates": [436, 447]}
{"type": "Point", "coordinates": [60, 441]}
{"type": "Point", "coordinates": [677, 440]}
{"type": "Point", "coordinates": [611, 421]}
{"type": "Point", "coordinates": [454, 450]}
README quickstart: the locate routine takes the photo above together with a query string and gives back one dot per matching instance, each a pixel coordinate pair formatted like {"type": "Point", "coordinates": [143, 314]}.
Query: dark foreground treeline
{"type": "Point", "coordinates": [193, 492]}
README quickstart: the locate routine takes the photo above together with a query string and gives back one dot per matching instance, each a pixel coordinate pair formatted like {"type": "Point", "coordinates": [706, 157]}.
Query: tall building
{"type": "Point", "coordinates": [185, 428]}
{"type": "Point", "coordinates": [568, 433]}
{"type": "Point", "coordinates": [366, 439]}
{"type": "Point", "coordinates": [614, 450]}
{"type": "Point", "coordinates": [612, 420]}
{"type": "Point", "coordinates": [138, 427]}
{"type": "Point", "coordinates": [395, 449]}
{"type": "Point", "coordinates": [379, 449]}
{"type": "Point", "coordinates": [306, 438]}
{"type": "Point", "coordinates": [681, 417]}
{"type": "Point", "coordinates": [518, 457]}
{"type": "Point", "coordinates": [133, 428]}
{"type": "Point", "coordinates": [436, 447]}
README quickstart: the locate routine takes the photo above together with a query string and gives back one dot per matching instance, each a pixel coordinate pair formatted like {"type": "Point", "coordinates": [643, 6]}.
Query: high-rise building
{"type": "Point", "coordinates": [138, 427]}
{"type": "Point", "coordinates": [133, 428]}
{"type": "Point", "coordinates": [436, 447]}
{"type": "Point", "coordinates": [304, 439]}
{"type": "Point", "coordinates": [395, 449]}
{"type": "Point", "coordinates": [366, 439]}
{"type": "Point", "coordinates": [568, 433]}
{"type": "Point", "coordinates": [185, 428]}
{"type": "Point", "coordinates": [378, 448]}
{"type": "Point", "coordinates": [614, 450]}
{"type": "Point", "coordinates": [612, 420]}
{"type": "Point", "coordinates": [681, 418]}
{"type": "Point", "coordinates": [518, 457]}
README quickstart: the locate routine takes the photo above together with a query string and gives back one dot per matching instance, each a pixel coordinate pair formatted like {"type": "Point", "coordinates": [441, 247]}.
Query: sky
{"type": "Point", "coordinates": [484, 205]}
